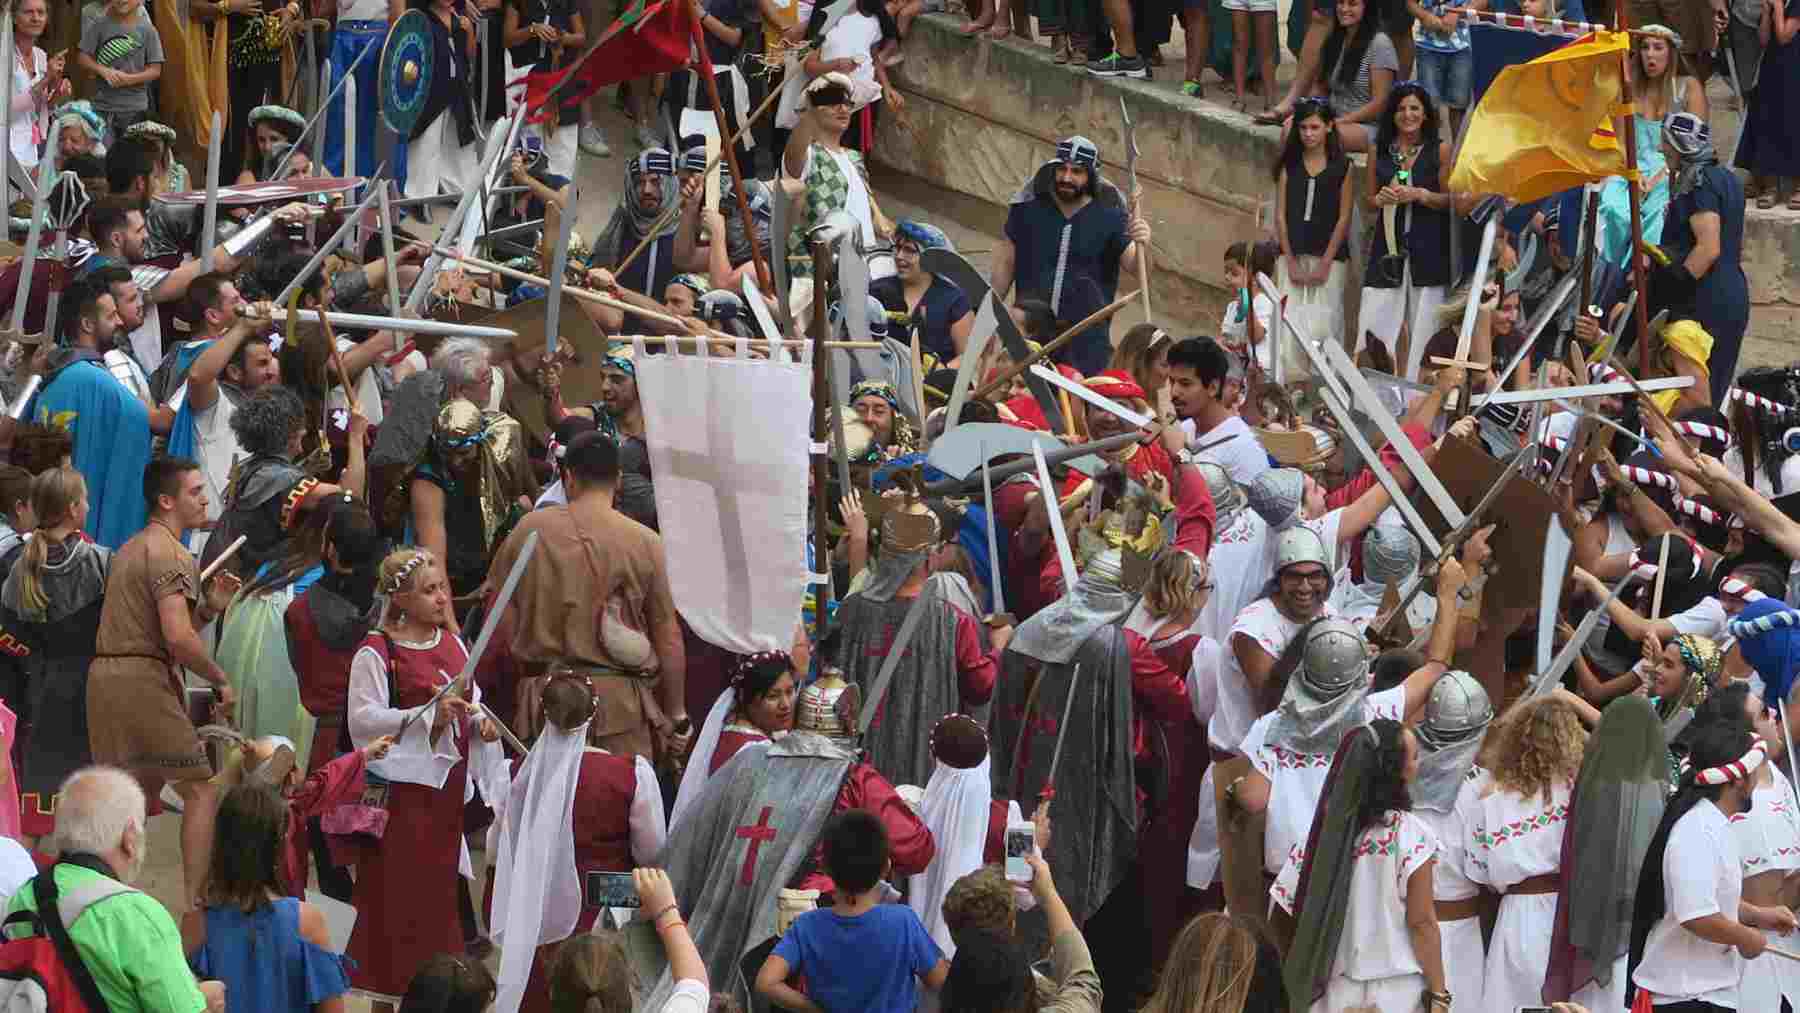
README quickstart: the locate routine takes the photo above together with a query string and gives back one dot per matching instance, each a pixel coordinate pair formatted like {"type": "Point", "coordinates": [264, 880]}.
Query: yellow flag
{"type": "Point", "coordinates": [1545, 126]}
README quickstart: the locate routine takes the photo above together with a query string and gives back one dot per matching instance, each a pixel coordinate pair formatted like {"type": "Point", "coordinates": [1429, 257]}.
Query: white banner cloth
{"type": "Point", "coordinates": [729, 439]}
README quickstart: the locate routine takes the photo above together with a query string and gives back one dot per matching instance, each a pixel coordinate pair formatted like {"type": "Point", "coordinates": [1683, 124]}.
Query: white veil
{"type": "Point", "coordinates": [693, 779]}
{"type": "Point", "coordinates": [955, 807]}
{"type": "Point", "coordinates": [537, 889]}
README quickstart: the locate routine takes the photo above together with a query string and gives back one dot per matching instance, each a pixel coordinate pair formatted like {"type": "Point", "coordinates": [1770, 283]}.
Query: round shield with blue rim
{"type": "Point", "coordinates": [406, 71]}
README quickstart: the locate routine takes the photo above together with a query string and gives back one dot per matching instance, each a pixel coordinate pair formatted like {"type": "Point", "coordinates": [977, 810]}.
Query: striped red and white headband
{"type": "Point", "coordinates": [1705, 431]}
{"type": "Point", "coordinates": [1649, 476]}
{"type": "Point", "coordinates": [1756, 401]}
{"type": "Point", "coordinates": [1740, 589]}
{"type": "Point", "coordinates": [1705, 514]}
{"type": "Point", "coordinates": [1600, 372]}
{"type": "Point", "coordinates": [1737, 769]}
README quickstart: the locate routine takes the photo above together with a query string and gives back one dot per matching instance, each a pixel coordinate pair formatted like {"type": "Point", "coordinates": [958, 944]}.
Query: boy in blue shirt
{"type": "Point", "coordinates": [859, 954]}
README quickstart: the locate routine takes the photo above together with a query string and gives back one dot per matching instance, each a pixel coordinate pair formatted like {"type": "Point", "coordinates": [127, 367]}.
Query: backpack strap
{"type": "Point", "coordinates": [52, 915]}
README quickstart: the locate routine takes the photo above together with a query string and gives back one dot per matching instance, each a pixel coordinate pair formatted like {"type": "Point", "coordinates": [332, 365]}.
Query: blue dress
{"type": "Point", "coordinates": [264, 963]}
{"type": "Point", "coordinates": [1771, 144]}
{"type": "Point", "coordinates": [1722, 298]}
{"type": "Point", "coordinates": [1615, 200]}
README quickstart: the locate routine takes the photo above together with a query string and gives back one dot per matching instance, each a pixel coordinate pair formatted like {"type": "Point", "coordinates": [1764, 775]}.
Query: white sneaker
{"type": "Point", "coordinates": [592, 141]}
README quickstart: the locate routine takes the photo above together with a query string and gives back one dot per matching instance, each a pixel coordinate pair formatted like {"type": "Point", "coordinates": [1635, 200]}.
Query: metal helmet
{"type": "Point", "coordinates": [1106, 568]}
{"type": "Point", "coordinates": [1390, 553]}
{"type": "Point", "coordinates": [828, 707]}
{"type": "Point", "coordinates": [1335, 656]}
{"type": "Point", "coordinates": [1457, 708]}
{"type": "Point", "coordinates": [1300, 544]}
{"type": "Point", "coordinates": [1227, 496]}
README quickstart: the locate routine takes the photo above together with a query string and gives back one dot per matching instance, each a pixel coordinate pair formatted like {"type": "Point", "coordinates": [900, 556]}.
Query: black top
{"type": "Point", "coordinates": [1310, 222]}
{"type": "Point", "coordinates": [534, 55]}
{"type": "Point", "coordinates": [1423, 233]}
{"type": "Point", "coordinates": [452, 89]}
{"type": "Point", "coordinates": [942, 304]}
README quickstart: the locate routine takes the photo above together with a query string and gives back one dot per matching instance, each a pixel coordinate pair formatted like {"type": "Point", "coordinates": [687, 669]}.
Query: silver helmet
{"type": "Point", "coordinates": [1228, 497]}
{"type": "Point", "coordinates": [1335, 656]}
{"type": "Point", "coordinates": [1390, 553]}
{"type": "Point", "coordinates": [1277, 496]}
{"type": "Point", "coordinates": [1106, 568]}
{"type": "Point", "coordinates": [1457, 708]}
{"type": "Point", "coordinates": [1300, 544]}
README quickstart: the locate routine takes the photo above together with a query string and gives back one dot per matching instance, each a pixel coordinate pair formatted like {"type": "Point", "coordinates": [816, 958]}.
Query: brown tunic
{"type": "Point", "coordinates": [137, 707]}
{"type": "Point", "coordinates": [589, 599]}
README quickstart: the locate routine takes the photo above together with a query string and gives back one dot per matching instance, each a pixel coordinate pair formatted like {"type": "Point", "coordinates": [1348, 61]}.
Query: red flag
{"type": "Point", "coordinates": [651, 37]}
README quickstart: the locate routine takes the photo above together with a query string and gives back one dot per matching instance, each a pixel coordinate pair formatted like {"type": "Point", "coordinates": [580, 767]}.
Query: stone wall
{"type": "Point", "coordinates": [980, 115]}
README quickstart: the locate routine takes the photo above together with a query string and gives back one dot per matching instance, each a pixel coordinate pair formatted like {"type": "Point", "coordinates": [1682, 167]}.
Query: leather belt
{"type": "Point", "coordinates": [1549, 882]}
{"type": "Point", "coordinates": [1458, 910]}
{"type": "Point", "coordinates": [578, 668]}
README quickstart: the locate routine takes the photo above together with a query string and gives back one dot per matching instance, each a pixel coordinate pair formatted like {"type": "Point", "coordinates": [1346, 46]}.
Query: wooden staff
{"type": "Point", "coordinates": [584, 294]}
{"type": "Point", "coordinates": [671, 339]}
{"type": "Point", "coordinates": [1624, 128]}
{"type": "Point", "coordinates": [1662, 573]}
{"type": "Point", "coordinates": [337, 360]}
{"type": "Point", "coordinates": [1103, 313]}
{"type": "Point", "coordinates": [821, 475]}
{"type": "Point", "coordinates": [221, 558]}
{"type": "Point", "coordinates": [662, 222]}
{"type": "Point", "coordinates": [1590, 219]}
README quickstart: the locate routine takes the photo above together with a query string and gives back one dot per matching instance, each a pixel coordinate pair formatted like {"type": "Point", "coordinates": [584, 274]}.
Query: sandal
{"type": "Point", "coordinates": [1793, 201]}
{"type": "Point", "coordinates": [1271, 117]}
{"type": "Point", "coordinates": [1766, 199]}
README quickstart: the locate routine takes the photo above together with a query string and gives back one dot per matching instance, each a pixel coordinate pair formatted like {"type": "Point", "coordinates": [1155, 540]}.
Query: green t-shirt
{"type": "Point", "coordinates": [130, 945]}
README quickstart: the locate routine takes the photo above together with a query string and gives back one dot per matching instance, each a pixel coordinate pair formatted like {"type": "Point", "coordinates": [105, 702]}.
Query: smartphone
{"type": "Point", "coordinates": [1535, 1009]}
{"type": "Point", "coordinates": [610, 889]}
{"type": "Point", "coordinates": [1021, 839]}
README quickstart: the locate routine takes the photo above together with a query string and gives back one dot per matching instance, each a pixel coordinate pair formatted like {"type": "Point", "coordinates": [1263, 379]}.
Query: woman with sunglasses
{"type": "Point", "coordinates": [1409, 260]}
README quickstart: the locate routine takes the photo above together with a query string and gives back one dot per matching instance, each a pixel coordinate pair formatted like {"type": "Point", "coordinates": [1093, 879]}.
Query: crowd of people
{"type": "Point", "coordinates": [383, 615]}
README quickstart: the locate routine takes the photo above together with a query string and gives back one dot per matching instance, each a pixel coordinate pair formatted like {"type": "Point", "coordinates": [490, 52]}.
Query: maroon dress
{"type": "Point", "coordinates": [406, 883]}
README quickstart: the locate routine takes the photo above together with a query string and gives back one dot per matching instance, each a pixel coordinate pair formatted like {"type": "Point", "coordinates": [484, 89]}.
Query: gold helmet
{"type": "Point", "coordinates": [829, 707]}
{"type": "Point", "coordinates": [909, 525]}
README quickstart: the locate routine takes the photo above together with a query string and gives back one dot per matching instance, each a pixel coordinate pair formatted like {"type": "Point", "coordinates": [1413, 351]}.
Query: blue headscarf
{"type": "Point", "coordinates": [924, 235]}
{"type": "Point", "coordinates": [1768, 633]}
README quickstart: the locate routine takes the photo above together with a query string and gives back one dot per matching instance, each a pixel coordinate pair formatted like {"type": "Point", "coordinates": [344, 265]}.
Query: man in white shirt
{"type": "Point", "coordinates": [1197, 372]}
{"type": "Point", "coordinates": [1691, 930]}
{"type": "Point", "coordinates": [236, 363]}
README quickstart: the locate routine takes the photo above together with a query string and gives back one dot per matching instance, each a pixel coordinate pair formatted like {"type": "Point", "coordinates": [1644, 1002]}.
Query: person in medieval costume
{"type": "Point", "coordinates": [1618, 802]}
{"type": "Point", "coordinates": [269, 494]}
{"type": "Point", "coordinates": [574, 810]}
{"type": "Point", "coordinates": [110, 426]}
{"type": "Point", "coordinates": [50, 606]}
{"type": "Point", "coordinates": [1071, 660]}
{"type": "Point", "coordinates": [171, 176]}
{"type": "Point", "coordinates": [323, 627]}
{"type": "Point", "coordinates": [82, 131]}
{"type": "Point", "coordinates": [1365, 933]}
{"type": "Point", "coordinates": [1290, 748]}
{"type": "Point", "coordinates": [1456, 719]}
{"type": "Point", "coordinates": [1069, 235]}
{"type": "Point", "coordinates": [595, 602]}
{"type": "Point", "coordinates": [757, 705]}
{"type": "Point", "coordinates": [877, 404]}
{"type": "Point", "coordinates": [473, 473]}
{"type": "Point", "coordinates": [644, 213]}
{"type": "Point", "coordinates": [745, 849]}
{"type": "Point", "coordinates": [1390, 555]}
{"type": "Point", "coordinates": [618, 414]}
{"type": "Point", "coordinates": [1288, 497]}
{"type": "Point", "coordinates": [273, 131]}
{"type": "Point", "coordinates": [1239, 552]}
{"type": "Point", "coordinates": [946, 665]}
{"type": "Point", "coordinates": [441, 153]}
{"type": "Point", "coordinates": [966, 822]}
{"type": "Point", "coordinates": [361, 25]}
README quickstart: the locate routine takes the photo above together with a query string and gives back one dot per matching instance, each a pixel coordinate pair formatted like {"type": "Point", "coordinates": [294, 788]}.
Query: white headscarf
{"type": "Point", "coordinates": [537, 888]}
{"type": "Point", "coordinates": [955, 807]}
{"type": "Point", "coordinates": [699, 767]}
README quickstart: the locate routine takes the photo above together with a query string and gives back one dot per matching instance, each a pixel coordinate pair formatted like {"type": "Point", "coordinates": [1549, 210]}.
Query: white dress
{"type": "Point", "coordinates": [1768, 838]}
{"type": "Point", "coordinates": [1465, 955]}
{"type": "Point", "coordinates": [1375, 965]}
{"type": "Point", "coordinates": [1237, 558]}
{"type": "Point", "coordinates": [1509, 840]}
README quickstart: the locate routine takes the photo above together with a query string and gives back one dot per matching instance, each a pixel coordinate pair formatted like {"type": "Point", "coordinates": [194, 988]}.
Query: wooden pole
{"type": "Point", "coordinates": [821, 392]}
{"type": "Point", "coordinates": [1590, 218]}
{"type": "Point", "coordinates": [1624, 128]}
{"type": "Point", "coordinates": [705, 70]}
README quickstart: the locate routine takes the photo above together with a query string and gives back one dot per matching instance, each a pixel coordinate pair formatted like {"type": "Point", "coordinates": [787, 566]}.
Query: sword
{"type": "Point", "coordinates": [17, 410]}
{"type": "Point", "coordinates": [40, 209]}
{"type": "Point", "coordinates": [331, 244]}
{"type": "Point", "coordinates": [488, 625]}
{"type": "Point", "coordinates": [897, 649]}
{"type": "Point", "coordinates": [349, 122]}
{"type": "Point", "coordinates": [1053, 507]}
{"type": "Point", "coordinates": [559, 267]}
{"type": "Point", "coordinates": [1098, 400]}
{"type": "Point", "coordinates": [304, 131]}
{"type": "Point", "coordinates": [1557, 548]}
{"type": "Point", "coordinates": [984, 328]}
{"type": "Point", "coordinates": [496, 145]}
{"type": "Point", "coordinates": [6, 86]}
{"type": "Point", "coordinates": [481, 88]}
{"type": "Point", "coordinates": [387, 252]}
{"type": "Point", "coordinates": [1583, 391]}
{"type": "Point", "coordinates": [1566, 657]}
{"type": "Point", "coordinates": [1048, 791]}
{"type": "Point", "coordinates": [406, 325]}
{"type": "Point", "coordinates": [1000, 617]}
{"type": "Point", "coordinates": [209, 228]}
{"type": "Point", "coordinates": [1470, 309]}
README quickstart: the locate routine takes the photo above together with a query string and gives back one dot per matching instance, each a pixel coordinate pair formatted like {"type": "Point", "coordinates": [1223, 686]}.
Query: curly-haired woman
{"type": "Point", "coordinates": [1515, 838]}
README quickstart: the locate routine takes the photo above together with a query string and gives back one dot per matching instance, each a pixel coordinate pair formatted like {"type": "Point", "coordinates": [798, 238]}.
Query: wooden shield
{"type": "Point", "coordinates": [1521, 511]}
{"type": "Point", "coordinates": [580, 378]}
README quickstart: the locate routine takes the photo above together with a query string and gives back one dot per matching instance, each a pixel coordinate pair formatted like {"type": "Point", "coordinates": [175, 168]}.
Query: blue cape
{"type": "Point", "coordinates": [182, 440]}
{"type": "Point", "coordinates": [111, 428]}
{"type": "Point", "coordinates": [1774, 653]}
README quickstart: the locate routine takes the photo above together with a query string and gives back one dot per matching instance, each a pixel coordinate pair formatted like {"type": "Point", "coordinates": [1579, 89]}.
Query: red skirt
{"type": "Point", "coordinates": [406, 886]}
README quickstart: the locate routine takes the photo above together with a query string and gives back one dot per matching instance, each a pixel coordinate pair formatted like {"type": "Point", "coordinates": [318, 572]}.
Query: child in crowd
{"type": "Point", "coordinates": [859, 953]}
{"type": "Point", "coordinates": [123, 50]}
{"type": "Point", "coordinates": [1245, 327]}
{"type": "Point", "coordinates": [1446, 64]}
{"type": "Point", "coordinates": [1313, 200]}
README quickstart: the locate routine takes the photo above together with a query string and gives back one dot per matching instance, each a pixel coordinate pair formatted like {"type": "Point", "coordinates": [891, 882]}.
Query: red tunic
{"type": "Point", "coordinates": [910, 846]}
{"type": "Point", "coordinates": [1159, 670]}
{"type": "Point", "coordinates": [602, 827]}
{"type": "Point", "coordinates": [330, 784]}
{"type": "Point", "coordinates": [406, 884]}
{"type": "Point", "coordinates": [730, 741]}
{"type": "Point", "coordinates": [324, 679]}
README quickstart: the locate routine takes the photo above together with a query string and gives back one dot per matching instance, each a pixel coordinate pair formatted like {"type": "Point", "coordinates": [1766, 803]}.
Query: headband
{"type": "Point", "coordinates": [619, 358]}
{"type": "Point", "coordinates": [875, 388]}
{"type": "Point", "coordinates": [281, 113]}
{"type": "Point", "coordinates": [1664, 31]}
{"type": "Point", "coordinates": [750, 662]}
{"type": "Point", "coordinates": [1700, 655]}
{"type": "Point", "coordinates": [399, 577]}
{"type": "Point", "coordinates": [692, 282]}
{"type": "Point", "coordinates": [1739, 589]}
{"type": "Point", "coordinates": [1600, 372]}
{"type": "Point", "coordinates": [151, 128]}
{"type": "Point", "coordinates": [693, 160]}
{"type": "Point", "coordinates": [1705, 514]}
{"type": "Point", "coordinates": [1080, 151]}
{"type": "Point", "coordinates": [1736, 770]}
{"type": "Point", "coordinates": [1650, 476]}
{"type": "Point", "coordinates": [653, 162]}
{"type": "Point", "coordinates": [1757, 401]}
{"type": "Point", "coordinates": [1705, 431]}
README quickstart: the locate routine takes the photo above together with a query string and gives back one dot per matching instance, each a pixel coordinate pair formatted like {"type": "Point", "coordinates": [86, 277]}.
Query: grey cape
{"type": "Point", "coordinates": [926, 685]}
{"type": "Point", "coordinates": [787, 787]}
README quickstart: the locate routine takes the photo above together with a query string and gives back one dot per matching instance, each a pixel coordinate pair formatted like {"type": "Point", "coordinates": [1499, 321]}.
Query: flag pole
{"type": "Point", "coordinates": [704, 67]}
{"type": "Point", "coordinates": [1628, 133]}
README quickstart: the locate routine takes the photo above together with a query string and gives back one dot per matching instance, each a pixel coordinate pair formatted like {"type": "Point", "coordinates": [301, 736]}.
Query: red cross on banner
{"type": "Point", "coordinates": [756, 834]}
